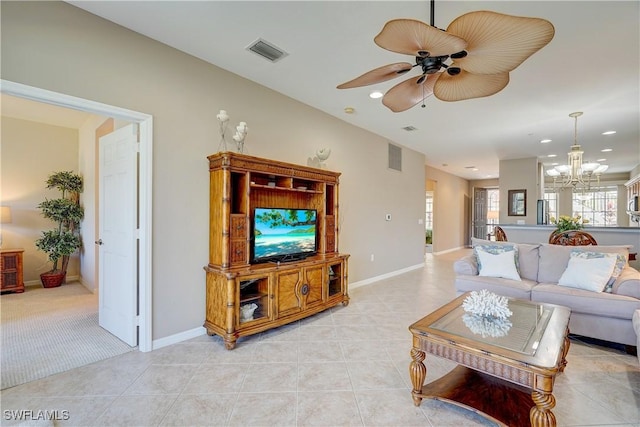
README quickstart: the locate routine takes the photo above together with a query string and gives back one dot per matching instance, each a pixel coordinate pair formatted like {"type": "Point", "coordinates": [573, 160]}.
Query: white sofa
{"type": "Point", "coordinates": [601, 315]}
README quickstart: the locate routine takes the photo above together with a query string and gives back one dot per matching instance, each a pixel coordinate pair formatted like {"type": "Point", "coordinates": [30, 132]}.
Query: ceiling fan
{"type": "Point", "coordinates": [471, 59]}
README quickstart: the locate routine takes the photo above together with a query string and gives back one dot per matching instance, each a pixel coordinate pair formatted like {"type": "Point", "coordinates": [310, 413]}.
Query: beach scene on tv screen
{"type": "Point", "coordinates": [284, 231]}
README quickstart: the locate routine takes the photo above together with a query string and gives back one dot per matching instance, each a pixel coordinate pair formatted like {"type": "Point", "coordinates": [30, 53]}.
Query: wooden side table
{"type": "Point", "coordinates": [11, 278]}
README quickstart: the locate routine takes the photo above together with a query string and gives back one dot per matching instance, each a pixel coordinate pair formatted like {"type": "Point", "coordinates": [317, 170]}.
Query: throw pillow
{"type": "Point", "coordinates": [621, 261]}
{"type": "Point", "coordinates": [590, 274]}
{"type": "Point", "coordinates": [497, 249]}
{"type": "Point", "coordinates": [501, 264]}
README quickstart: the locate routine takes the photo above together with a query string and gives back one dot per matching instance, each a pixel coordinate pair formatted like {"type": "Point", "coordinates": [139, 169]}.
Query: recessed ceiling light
{"type": "Point", "coordinates": [349, 110]}
{"type": "Point", "coordinates": [376, 94]}
{"type": "Point", "coordinates": [545, 141]}
{"type": "Point", "coordinates": [609, 132]}
{"type": "Point", "coordinates": [601, 160]}
{"type": "Point", "coordinates": [552, 155]}
{"type": "Point", "coordinates": [606, 150]}
{"type": "Point", "coordinates": [555, 164]}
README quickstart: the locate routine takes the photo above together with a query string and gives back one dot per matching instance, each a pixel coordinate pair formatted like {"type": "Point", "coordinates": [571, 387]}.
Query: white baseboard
{"type": "Point", "coordinates": [179, 337]}
{"type": "Point", "coordinates": [450, 250]}
{"type": "Point", "coordinates": [384, 276]}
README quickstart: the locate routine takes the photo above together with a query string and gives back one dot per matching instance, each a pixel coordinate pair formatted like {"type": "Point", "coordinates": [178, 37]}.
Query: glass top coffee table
{"type": "Point", "coordinates": [506, 368]}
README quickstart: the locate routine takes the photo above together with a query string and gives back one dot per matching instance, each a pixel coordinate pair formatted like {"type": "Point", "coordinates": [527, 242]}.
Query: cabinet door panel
{"type": "Point", "coordinates": [313, 278]}
{"type": "Point", "coordinates": [288, 284]}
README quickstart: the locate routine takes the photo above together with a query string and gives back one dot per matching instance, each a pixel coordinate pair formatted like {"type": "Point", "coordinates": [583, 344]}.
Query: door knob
{"type": "Point", "coordinates": [99, 242]}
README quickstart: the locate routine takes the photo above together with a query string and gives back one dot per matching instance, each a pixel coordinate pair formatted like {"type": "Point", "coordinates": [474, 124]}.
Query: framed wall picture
{"type": "Point", "coordinates": [517, 203]}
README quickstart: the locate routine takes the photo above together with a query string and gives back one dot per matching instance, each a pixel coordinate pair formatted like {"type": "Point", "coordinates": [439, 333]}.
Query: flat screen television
{"type": "Point", "coordinates": [283, 234]}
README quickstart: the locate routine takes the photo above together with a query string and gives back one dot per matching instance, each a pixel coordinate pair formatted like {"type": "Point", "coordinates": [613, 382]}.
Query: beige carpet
{"type": "Point", "coordinates": [47, 331]}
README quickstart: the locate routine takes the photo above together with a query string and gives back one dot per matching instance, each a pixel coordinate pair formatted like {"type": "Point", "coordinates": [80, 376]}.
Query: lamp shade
{"type": "Point", "coordinates": [5, 214]}
{"type": "Point", "coordinates": [492, 215]}
{"type": "Point", "coordinates": [590, 167]}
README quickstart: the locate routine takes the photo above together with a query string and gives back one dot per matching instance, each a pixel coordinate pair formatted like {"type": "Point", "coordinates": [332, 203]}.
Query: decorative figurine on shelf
{"type": "Point", "coordinates": [223, 118]}
{"type": "Point", "coordinates": [238, 137]}
{"type": "Point", "coordinates": [241, 133]}
{"type": "Point", "coordinates": [322, 154]}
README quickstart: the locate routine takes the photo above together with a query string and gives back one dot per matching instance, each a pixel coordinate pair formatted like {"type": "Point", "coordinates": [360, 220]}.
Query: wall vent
{"type": "Point", "coordinates": [267, 50]}
{"type": "Point", "coordinates": [395, 157]}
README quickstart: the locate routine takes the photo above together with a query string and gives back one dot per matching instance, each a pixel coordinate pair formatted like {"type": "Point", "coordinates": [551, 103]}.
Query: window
{"type": "Point", "coordinates": [428, 222]}
{"type": "Point", "coordinates": [551, 196]}
{"type": "Point", "coordinates": [493, 208]}
{"type": "Point", "coordinates": [599, 207]}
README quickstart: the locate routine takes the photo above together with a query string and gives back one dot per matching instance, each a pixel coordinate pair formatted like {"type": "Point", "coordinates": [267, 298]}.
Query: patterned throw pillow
{"type": "Point", "coordinates": [621, 261]}
{"type": "Point", "coordinates": [495, 250]}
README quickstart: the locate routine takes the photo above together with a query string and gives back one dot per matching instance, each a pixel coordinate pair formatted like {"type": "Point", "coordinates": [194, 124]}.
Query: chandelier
{"type": "Point", "coordinates": [576, 174]}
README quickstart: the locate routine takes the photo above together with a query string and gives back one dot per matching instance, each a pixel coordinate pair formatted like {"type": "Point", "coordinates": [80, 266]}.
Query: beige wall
{"type": "Point", "coordinates": [56, 46]}
{"type": "Point", "coordinates": [30, 153]}
{"type": "Point", "coordinates": [519, 174]}
{"type": "Point", "coordinates": [451, 210]}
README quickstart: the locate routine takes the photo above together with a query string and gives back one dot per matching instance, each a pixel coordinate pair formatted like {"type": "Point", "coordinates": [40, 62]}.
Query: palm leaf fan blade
{"type": "Point", "coordinates": [467, 85]}
{"type": "Point", "coordinates": [499, 43]}
{"type": "Point", "coordinates": [381, 74]}
{"type": "Point", "coordinates": [409, 93]}
{"type": "Point", "coordinates": [412, 37]}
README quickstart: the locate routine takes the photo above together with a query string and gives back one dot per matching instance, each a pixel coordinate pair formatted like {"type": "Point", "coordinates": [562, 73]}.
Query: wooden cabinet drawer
{"type": "Point", "coordinates": [238, 253]}
{"type": "Point", "coordinates": [238, 227]}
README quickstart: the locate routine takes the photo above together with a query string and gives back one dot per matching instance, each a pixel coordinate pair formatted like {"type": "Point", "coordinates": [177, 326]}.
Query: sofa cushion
{"type": "Point", "coordinates": [581, 301]}
{"type": "Point", "coordinates": [500, 264]}
{"type": "Point", "coordinates": [527, 256]}
{"type": "Point", "coordinates": [506, 287]}
{"type": "Point", "coordinates": [620, 264]}
{"type": "Point", "coordinates": [588, 273]}
{"type": "Point", "coordinates": [554, 259]}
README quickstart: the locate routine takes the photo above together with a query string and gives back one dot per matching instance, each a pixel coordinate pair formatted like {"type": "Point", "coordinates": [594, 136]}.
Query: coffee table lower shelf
{"type": "Point", "coordinates": [500, 401]}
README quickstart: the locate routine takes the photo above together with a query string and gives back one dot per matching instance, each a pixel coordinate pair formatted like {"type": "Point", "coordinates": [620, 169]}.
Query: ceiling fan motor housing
{"type": "Point", "coordinates": [431, 65]}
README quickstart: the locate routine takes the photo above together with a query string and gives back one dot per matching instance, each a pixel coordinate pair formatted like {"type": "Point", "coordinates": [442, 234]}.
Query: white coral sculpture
{"type": "Point", "coordinates": [487, 304]}
{"type": "Point", "coordinates": [487, 326]}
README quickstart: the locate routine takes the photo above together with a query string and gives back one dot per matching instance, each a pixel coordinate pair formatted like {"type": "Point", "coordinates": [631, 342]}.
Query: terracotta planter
{"type": "Point", "coordinates": [51, 280]}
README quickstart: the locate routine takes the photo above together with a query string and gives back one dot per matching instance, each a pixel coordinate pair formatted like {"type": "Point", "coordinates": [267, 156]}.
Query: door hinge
{"type": "Point", "coordinates": [137, 320]}
{"type": "Point", "coordinates": [137, 233]}
{"type": "Point", "coordinates": [136, 147]}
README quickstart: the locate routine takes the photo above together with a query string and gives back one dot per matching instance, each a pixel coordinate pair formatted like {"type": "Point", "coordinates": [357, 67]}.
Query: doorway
{"type": "Point", "coordinates": [145, 124]}
{"type": "Point", "coordinates": [486, 209]}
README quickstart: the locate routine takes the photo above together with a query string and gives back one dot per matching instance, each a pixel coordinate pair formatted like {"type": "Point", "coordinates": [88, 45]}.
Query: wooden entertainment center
{"type": "Point", "coordinates": [282, 292]}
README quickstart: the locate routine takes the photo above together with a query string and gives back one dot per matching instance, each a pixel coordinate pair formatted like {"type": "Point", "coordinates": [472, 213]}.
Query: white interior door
{"type": "Point", "coordinates": [118, 191]}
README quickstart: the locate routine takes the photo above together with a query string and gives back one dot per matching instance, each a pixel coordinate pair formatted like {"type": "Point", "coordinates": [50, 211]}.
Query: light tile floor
{"type": "Point", "coordinates": [347, 366]}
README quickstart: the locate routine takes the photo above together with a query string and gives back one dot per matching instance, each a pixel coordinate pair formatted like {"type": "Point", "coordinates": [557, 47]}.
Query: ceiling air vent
{"type": "Point", "coordinates": [267, 50]}
{"type": "Point", "coordinates": [410, 128]}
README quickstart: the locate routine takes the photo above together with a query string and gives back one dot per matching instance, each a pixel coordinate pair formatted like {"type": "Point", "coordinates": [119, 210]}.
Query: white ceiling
{"type": "Point", "coordinates": [591, 65]}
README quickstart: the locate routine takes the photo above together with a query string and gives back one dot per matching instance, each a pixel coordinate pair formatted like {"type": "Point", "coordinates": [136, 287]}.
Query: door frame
{"type": "Point", "coordinates": [145, 121]}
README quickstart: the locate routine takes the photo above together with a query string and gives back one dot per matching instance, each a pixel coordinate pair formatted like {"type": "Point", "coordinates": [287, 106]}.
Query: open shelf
{"type": "Point", "coordinates": [254, 291]}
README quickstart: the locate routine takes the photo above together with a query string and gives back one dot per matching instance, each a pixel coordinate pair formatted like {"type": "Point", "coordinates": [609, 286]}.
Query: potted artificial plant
{"type": "Point", "coordinates": [62, 241]}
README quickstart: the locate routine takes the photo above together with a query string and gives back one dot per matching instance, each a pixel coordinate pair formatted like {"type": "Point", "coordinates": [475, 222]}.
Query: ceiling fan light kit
{"type": "Point", "coordinates": [471, 59]}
